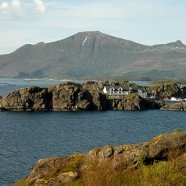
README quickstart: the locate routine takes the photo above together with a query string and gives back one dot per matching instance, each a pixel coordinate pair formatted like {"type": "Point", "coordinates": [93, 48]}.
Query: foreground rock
{"type": "Point", "coordinates": [176, 106]}
{"type": "Point", "coordinates": [59, 170]}
{"type": "Point", "coordinates": [71, 97]}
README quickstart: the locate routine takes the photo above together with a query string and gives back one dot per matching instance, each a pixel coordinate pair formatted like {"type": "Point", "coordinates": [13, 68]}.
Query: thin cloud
{"type": "Point", "coordinates": [16, 4]}
{"type": "Point", "coordinates": [40, 6]}
{"type": "Point", "coordinates": [4, 5]}
{"type": "Point", "coordinates": [13, 8]}
{"type": "Point", "coordinates": [16, 8]}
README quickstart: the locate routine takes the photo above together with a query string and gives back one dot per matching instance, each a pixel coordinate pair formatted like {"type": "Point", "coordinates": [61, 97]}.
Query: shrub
{"type": "Point", "coordinates": [177, 130]}
{"type": "Point", "coordinates": [21, 182]}
{"type": "Point", "coordinates": [157, 174]}
{"type": "Point", "coordinates": [162, 173]}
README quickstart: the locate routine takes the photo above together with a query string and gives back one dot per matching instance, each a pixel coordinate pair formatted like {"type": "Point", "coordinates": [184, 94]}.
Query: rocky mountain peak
{"type": "Point", "coordinates": [177, 43]}
{"type": "Point", "coordinates": [90, 32]}
{"type": "Point", "coordinates": [92, 35]}
{"type": "Point", "coordinates": [40, 44]}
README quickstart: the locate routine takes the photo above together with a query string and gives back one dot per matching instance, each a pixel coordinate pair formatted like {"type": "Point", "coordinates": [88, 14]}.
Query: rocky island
{"type": "Point", "coordinates": [89, 96]}
{"type": "Point", "coordinates": [160, 161]}
{"type": "Point", "coordinates": [73, 97]}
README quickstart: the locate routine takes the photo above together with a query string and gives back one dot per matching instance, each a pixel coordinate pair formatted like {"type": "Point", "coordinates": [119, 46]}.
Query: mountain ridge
{"type": "Point", "coordinates": [173, 43]}
{"type": "Point", "coordinates": [92, 53]}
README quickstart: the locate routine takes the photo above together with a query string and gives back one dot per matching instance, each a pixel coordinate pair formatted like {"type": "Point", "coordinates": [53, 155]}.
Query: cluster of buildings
{"type": "Point", "coordinates": [118, 91]}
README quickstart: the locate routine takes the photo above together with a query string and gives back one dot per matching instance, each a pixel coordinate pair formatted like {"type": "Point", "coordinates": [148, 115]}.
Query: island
{"type": "Point", "coordinates": [92, 96]}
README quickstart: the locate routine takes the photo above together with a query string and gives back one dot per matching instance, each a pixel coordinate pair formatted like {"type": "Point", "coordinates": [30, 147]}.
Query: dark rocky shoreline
{"type": "Point", "coordinates": [181, 106]}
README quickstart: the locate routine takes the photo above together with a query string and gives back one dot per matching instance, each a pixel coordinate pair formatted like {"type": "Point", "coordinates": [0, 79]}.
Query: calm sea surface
{"type": "Point", "coordinates": [27, 137]}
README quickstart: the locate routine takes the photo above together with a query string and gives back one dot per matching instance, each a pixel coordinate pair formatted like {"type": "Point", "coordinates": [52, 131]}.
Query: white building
{"type": "Point", "coordinates": [116, 90]}
{"type": "Point", "coordinates": [142, 93]}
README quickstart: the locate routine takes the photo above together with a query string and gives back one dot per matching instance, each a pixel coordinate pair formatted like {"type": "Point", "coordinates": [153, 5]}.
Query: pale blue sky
{"type": "Point", "coordinates": [144, 21]}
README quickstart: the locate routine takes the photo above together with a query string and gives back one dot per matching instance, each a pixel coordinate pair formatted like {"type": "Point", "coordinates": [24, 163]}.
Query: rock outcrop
{"type": "Point", "coordinates": [59, 170]}
{"type": "Point", "coordinates": [64, 97]}
{"type": "Point", "coordinates": [71, 97]}
{"type": "Point", "coordinates": [176, 106]}
{"type": "Point", "coordinates": [135, 102]}
{"type": "Point", "coordinates": [183, 92]}
{"type": "Point", "coordinates": [27, 99]}
{"type": "Point", "coordinates": [165, 90]}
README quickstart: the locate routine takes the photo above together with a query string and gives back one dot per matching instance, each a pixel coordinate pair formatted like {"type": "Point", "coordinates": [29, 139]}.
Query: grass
{"type": "Point", "coordinates": [74, 183]}
{"type": "Point", "coordinates": [158, 174]}
{"type": "Point", "coordinates": [161, 173]}
{"type": "Point", "coordinates": [177, 130]}
{"type": "Point", "coordinates": [21, 182]}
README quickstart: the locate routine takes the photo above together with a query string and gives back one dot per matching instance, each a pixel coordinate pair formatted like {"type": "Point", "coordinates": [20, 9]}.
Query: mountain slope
{"type": "Point", "coordinates": [89, 54]}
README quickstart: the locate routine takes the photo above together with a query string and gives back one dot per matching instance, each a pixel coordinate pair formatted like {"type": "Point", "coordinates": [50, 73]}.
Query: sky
{"type": "Point", "coordinates": [144, 21]}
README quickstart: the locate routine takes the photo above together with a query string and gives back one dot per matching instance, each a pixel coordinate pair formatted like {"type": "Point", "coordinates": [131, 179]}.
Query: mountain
{"type": "Point", "coordinates": [94, 54]}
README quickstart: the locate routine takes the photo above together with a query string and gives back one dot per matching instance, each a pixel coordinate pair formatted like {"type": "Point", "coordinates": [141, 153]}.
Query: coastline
{"type": "Point", "coordinates": [86, 168]}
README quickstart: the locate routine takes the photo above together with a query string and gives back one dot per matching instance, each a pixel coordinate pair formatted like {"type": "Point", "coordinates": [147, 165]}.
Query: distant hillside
{"type": "Point", "coordinates": [94, 54]}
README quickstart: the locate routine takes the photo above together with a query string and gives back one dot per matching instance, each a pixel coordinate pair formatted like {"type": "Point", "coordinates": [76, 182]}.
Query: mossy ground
{"type": "Point", "coordinates": [157, 174]}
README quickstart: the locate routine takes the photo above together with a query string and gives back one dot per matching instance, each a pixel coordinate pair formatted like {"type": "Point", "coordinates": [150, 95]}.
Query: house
{"type": "Point", "coordinates": [116, 90]}
{"type": "Point", "coordinates": [142, 93]}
